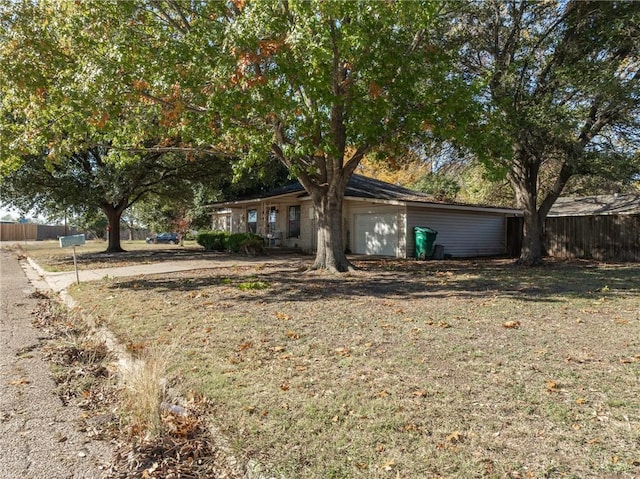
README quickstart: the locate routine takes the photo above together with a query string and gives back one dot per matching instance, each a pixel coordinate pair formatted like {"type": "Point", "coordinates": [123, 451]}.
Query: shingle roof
{"type": "Point", "coordinates": [364, 187]}
{"type": "Point", "coordinates": [596, 205]}
{"type": "Point", "coordinates": [360, 187]}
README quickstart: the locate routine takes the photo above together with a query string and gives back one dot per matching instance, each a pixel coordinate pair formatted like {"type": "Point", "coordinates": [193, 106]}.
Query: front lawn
{"type": "Point", "coordinates": [51, 257]}
{"type": "Point", "coordinates": [404, 369]}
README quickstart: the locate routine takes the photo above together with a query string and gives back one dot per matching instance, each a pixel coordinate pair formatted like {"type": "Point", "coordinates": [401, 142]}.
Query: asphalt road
{"type": "Point", "coordinates": [38, 435]}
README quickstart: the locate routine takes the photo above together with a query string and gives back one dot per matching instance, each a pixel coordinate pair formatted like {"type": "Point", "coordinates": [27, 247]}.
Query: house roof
{"type": "Point", "coordinates": [359, 187]}
{"type": "Point", "coordinates": [365, 188]}
{"type": "Point", "coordinates": [596, 205]}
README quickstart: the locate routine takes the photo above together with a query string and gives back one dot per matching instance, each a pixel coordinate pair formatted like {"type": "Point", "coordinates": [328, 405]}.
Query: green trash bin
{"type": "Point", "coordinates": [425, 237]}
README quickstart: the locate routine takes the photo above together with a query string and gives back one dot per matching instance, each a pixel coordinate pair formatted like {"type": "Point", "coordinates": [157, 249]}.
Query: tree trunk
{"type": "Point", "coordinates": [532, 239]}
{"type": "Point", "coordinates": [113, 215]}
{"type": "Point", "coordinates": [524, 179]}
{"type": "Point", "coordinates": [330, 253]}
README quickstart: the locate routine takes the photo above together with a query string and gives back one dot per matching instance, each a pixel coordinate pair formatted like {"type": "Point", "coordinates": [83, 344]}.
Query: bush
{"type": "Point", "coordinates": [253, 245]}
{"type": "Point", "coordinates": [212, 240]}
{"type": "Point", "coordinates": [247, 243]}
{"type": "Point", "coordinates": [234, 242]}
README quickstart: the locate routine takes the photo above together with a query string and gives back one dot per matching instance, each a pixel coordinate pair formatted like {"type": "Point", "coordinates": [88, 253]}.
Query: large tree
{"type": "Point", "coordinates": [332, 81]}
{"type": "Point", "coordinates": [74, 131]}
{"type": "Point", "coordinates": [88, 181]}
{"type": "Point", "coordinates": [562, 95]}
{"type": "Point", "coordinates": [316, 84]}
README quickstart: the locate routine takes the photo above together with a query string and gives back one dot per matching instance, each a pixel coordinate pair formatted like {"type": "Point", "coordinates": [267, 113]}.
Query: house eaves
{"type": "Point", "coordinates": [439, 205]}
{"type": "Point", "coordinates": [238, 203]}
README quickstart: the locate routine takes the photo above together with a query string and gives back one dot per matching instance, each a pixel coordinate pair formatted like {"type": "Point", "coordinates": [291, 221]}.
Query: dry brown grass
{"type": "Point", "coordinates": [144, 390]}
{"type": "Point", "coordinates": [451, 369]}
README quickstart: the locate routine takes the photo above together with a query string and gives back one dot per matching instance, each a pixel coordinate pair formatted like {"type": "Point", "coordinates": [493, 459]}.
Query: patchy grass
{"type": "Point", "coordinates": [403, 369]}
{"type": "Point", "coordinates": [51, 257]}
{"type": "Point", "coordinates": [154, 439]}
{"type": "Point", "coordinates": [81, 368]}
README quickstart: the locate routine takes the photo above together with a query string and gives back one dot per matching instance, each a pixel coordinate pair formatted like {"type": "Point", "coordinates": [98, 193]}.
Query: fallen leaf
{"type": "Point", "coordinates": [284, 386]}
{"type": "Point", "coordinates": [291, 335]}
{"type": "Point", "coordinates": [389, 465]}
{"type": "Point", "coordinates": [282, 316]}
{"type": "Point", "coordinates": [511, 324]}
{"type": "Point", "coordinates": [552, 386]}
{"type": "Point", "coordinates": [244, 346]}
{"type": "Point", "coordinates": [581, 401]}
{"type": "Point", "coordinates": [455, 437]}
{"type": "Point", "coordinates": [19, 382]}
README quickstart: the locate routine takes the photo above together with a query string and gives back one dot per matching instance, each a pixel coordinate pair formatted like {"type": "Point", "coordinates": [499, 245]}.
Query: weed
{"type": "Point", "coordinates": [249, 285]}
{"type": "Point", "coordinates": [144, 390]}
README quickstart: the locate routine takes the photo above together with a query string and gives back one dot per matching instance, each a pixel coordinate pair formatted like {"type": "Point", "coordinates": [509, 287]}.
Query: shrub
{"type": "Point", "coordinates": [253, 245]}
{"type": "Point", "coordinates": [234, 241]}
{"type": "Point", "coordinates": [247, 243]}
{"type": "Point", "coordinates": [212, 240]}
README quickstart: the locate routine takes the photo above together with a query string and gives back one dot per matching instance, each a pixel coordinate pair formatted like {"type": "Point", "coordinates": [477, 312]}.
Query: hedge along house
{"type": "Point", "coordinates": [378, 219]}
{"type": "Point", "coordinates": [594, 227]}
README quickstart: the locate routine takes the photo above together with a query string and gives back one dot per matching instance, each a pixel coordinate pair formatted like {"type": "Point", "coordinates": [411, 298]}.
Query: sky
{"type": "Point", "coordinates": [15, 214]}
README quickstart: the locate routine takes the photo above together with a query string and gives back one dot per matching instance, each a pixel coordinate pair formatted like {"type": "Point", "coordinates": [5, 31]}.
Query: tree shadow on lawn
{"type": "Point", "coordinates": [404, 280]}
{"type": "Point", "coordinates": [102, 259]}
{"type": "Point", "coordinates": [174, 253]}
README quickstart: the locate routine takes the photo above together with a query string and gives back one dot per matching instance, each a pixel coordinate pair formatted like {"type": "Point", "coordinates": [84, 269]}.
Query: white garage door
{"type": "Point", "coordinates": [376, 234]}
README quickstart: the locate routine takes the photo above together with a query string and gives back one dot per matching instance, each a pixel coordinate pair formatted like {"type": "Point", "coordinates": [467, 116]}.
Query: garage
{"type": "Point", "coordinates": [376, 234]}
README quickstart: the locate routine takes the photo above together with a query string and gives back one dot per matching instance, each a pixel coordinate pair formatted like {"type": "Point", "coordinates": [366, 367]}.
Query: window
{"type": "Point", "coordinates": [294, 222]}
{"type": "Point", "coordinates": [272, 219]}
{"type": "Point", "coordinates": [252, 221]}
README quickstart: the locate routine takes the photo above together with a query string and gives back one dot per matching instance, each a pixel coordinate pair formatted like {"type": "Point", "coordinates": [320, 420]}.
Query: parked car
{"type": "Point", "coordinates": [167, 238]}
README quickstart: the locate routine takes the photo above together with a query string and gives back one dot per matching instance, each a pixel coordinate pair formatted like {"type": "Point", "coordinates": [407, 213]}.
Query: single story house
{"type": "Point", "coordinates": [378, 219]}
{"type": "Point", "coordinates": [605, 227]}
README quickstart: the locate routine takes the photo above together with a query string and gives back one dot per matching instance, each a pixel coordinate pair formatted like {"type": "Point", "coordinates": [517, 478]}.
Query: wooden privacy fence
{"type": "Point", "coordinates": [605, 237]}
{"type": "Point", "coordinates": [18, 232]}
{"type": "Point", "coordinates": [32, 232]}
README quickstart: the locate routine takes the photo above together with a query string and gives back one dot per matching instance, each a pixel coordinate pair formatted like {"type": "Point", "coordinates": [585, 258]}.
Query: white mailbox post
{"type": "Point", "coordinates": [74, 240]}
